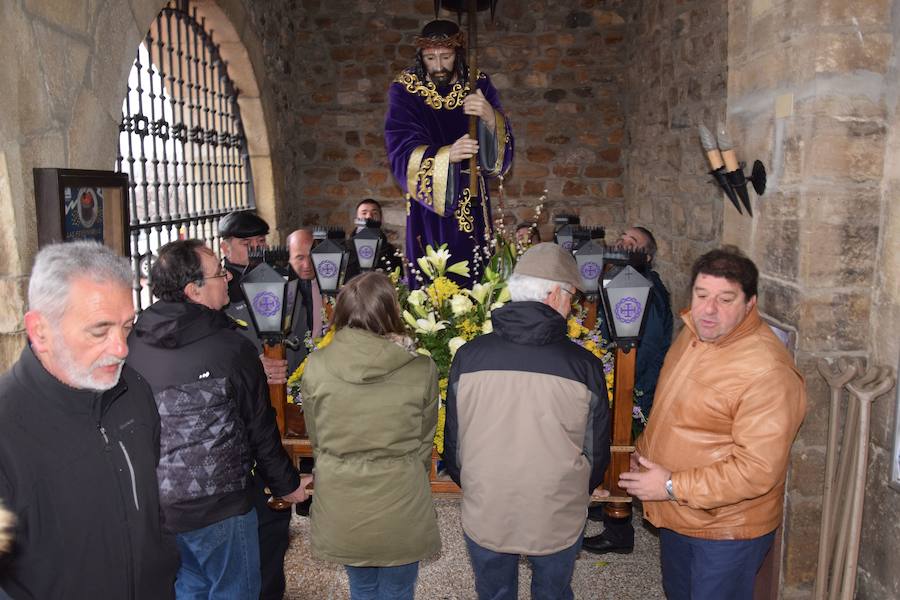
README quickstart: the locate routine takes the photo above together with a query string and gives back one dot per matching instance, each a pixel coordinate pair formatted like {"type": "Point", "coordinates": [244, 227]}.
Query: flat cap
{"type": "Point", "coordinates": [548, 261]}
{"type": "Point", "coordinates": [242, 224]}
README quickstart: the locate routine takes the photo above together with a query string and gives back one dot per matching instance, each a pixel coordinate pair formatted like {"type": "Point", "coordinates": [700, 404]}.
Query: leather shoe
{"type": "Point", "coordinates": [598, 544]}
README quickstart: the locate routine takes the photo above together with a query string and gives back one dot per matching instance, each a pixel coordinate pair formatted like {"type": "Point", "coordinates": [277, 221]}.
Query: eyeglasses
{"type": "Point", "coordinates": [223, 272]}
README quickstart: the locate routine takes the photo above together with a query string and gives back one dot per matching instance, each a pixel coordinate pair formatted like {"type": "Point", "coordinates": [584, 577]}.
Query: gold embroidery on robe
{"type": "Point", "coordinates": [424, 191]}
{"type": "Point", "coordinates": [463, 212]}
{"type": "Point", "coordinates": [412, 168]}
{"type": "Point", "coordinates": [441, 174]}
{"type": "Point", "coordinates": [429, 92]}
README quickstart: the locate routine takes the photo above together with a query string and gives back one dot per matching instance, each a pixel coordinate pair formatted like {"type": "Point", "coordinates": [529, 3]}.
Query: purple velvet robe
{"type": "Point", "coordinates": [422, 123]}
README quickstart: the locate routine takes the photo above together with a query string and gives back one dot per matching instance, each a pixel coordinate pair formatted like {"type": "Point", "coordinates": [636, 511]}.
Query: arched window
{"type": "Point", "coordinates": [181, 139]}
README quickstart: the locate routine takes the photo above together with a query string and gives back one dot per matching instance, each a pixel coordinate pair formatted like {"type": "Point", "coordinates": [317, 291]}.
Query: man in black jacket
{"type": "Point", "coordinates": [216, 421]}
{"type": "Point", "coordinates": [79, 441]}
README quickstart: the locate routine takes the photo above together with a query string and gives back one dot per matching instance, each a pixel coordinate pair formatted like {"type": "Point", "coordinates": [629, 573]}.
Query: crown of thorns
{"type": "Point", "coordinates": [441, 41]}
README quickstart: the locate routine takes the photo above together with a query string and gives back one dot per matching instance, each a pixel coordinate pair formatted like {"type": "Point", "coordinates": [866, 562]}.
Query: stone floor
{"type": "Point", "coordinates": [449, 576]}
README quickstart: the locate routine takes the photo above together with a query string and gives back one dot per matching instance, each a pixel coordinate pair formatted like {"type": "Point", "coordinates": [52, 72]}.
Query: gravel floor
{"type": "Point", "coordinates": [449, 575]}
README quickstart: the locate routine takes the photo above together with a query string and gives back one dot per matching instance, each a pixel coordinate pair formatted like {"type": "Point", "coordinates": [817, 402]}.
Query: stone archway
{"type": "Point", "coordinates": [240, 50]}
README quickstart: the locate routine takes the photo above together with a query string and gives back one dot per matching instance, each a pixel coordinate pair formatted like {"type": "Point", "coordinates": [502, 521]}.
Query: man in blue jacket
{"type": "Point", "coordinates": [618, 533]}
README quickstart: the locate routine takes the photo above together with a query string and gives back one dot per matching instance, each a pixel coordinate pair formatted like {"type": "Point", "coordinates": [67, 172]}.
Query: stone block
{"type": "Point", "coordinates": [838, 255]}
{"type": "Point", "coordinates": [846, 52]}
{"type": "Point", "coordinates": [13, 303]}
{"type": "Point", "coordinates": [11, 345]}
{"type": "Point", "coordinates": [801, 541]}
{"type": "Point", "coordinates": [70, 16]}
{"type": "Point", "coordinates": [871, 13]}
{"type": "Point", "coordinates": [845, 149]}
{"type": "Point", "coordinates": [834, 320]}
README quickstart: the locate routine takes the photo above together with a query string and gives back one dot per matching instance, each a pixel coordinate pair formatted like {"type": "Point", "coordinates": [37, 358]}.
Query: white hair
{"type": "Point", "coordinates": [523, 288]}
{"type": "Point", "coordinates": [56, 265]}
{"type": "Point", "coordinates": [7, 520]}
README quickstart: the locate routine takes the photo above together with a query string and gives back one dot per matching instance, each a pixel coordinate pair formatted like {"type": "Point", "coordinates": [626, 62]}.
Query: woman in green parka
{"type": "Point", "coordinates": [371, 406]}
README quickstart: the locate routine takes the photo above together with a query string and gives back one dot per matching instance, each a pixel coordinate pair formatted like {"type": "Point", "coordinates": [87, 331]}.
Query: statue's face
{"type": "Point", "coordinates": [439, 65]}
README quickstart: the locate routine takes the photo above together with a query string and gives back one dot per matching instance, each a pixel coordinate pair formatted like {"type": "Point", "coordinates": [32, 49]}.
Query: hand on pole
{"type": "Point", "coordinates": [649, 484]}
{"type": "Point", "coordinates": [476, 104]}
{"type": "Point", "coordinates": [463, 149]}
{"type": "Point", "coordinates": [275, 368]}
{"type": "Point", "coordinates": [301, 494]}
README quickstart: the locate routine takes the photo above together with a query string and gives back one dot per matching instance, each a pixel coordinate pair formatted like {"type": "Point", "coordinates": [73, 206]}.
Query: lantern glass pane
{"type": "Point", "coordinates": [290, 300]}
{"type": "Point", "coordinates": [627, 306]}
{"type": "Point", "coordinates": [590, 267]}
{"type": "Point", "coordinates": [266, 301]}
{"type": "Point", "coordinates": [328, 269]}
{"type": "Point", "coordinates": [365, 251]}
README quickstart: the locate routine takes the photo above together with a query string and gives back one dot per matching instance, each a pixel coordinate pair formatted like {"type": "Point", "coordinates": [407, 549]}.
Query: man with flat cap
{"type": "Point", "coordinates": [426, 135]}
{"type": "Point", "coordinates": [526, 484]}
{"type": "Point", "coordinates": [240, 232]}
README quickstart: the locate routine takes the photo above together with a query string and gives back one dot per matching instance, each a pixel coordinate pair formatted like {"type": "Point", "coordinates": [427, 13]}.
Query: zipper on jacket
{"type": "Point", "coordinates": [137, 506]}
{"type": "Point", "coordinates": [103, 433]}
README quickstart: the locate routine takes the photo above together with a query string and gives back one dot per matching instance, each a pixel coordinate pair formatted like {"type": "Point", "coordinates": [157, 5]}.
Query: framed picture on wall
{"type": "Point", "coordinates": [894, 480]}
{"type": "Point", "coordinates": [77, 204]}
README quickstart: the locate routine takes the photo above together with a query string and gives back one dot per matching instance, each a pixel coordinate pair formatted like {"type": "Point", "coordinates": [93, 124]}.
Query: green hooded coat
{"type": "Point", "coordinates": [371, 411]}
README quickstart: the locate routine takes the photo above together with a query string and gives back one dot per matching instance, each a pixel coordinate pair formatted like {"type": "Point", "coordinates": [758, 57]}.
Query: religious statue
{"type": "Point", "coordinates": [426, 134]}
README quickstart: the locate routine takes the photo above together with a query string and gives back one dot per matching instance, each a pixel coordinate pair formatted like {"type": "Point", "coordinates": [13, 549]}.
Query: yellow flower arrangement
{"type": "Point", "coordinates": [293, 382]}
{"type": "Point", "coordinates": [441, 290]}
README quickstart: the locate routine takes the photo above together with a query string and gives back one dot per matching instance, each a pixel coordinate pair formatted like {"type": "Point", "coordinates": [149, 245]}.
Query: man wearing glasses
{"type": "Point", "coordinates": [216, 421]}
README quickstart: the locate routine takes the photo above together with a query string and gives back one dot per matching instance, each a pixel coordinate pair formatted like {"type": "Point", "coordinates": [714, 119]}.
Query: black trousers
{"type": "Point", "coordinates": [274, 539]}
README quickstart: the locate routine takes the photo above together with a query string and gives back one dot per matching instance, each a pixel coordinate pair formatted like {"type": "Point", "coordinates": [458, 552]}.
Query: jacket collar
{"type": "Point", "coordinates": [66, 398]}
{"type": "Point", "coordinates": [746, 327]}
{"type": "Point", "coordinates": [527, 322]}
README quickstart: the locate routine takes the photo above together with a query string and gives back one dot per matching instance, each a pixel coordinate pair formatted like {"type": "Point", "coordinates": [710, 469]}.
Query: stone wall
{"type": "Point", "coordinates": [559, 68]}
{"type": "Point", "coordinates": [677, 71]}
{"type": "Point", "coordinates": [61, 92]}
{"type": "Point", "coordinates": [812, 92]}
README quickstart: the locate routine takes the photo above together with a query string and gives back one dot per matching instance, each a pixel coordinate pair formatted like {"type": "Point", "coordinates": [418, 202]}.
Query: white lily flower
{"type": "Point", "coordinates": [461, 268]}
{"type": "Point", "coordinates": [430, 324]}
{"type": "Point", "coordinates": [423, 351]}
{"type": "Point", "coordinates": [454, 344]}
{"type": "Point", "coordinates": [480, 292]}
{"type": "Point", "coordinates": [409, 318]}
{"type": "Point", "coordinates": [504, 296]}
{"type": "Point", "coordinates": [460, 305]}
{"type": "Point", "coordinates": [417, 297]}
{"type": "Point", "coordinates": [438, 258]}
{"type": "Point", "coordinates": [487, 327]}
{"type": "Point", "coordinates": [426, 267]}
{"type": "Point", "coordinates": [497, 304]}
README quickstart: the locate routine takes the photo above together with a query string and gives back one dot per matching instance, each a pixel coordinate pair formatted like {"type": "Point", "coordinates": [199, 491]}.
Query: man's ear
{"type": "Point", "coordinates": [192, 291]}
{"type": "Point", "coordinates": [751, 304]}
{"type": "Point", "coordinates": [37, 329]}
{"type": "Point", "coordinates": [225, 247]}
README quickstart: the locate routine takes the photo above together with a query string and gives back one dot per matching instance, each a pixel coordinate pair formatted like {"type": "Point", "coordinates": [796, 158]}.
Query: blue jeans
{"type": "Point", "coordinates": [697, 568]}
{"type": "Point", "coordinates": [383, 583]}
{"type": "Point", "coordinates": [497, 573]}
{"type": "Point", "coordinates": [220, 560]}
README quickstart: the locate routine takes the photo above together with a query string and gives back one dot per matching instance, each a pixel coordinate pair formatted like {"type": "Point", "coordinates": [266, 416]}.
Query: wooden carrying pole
{"type": "Point", "coordinates": [277, 391]}
{"type": "Point", "coordinates": [473, 86]}
{"type": "Point", "coordinates": [619, 502]}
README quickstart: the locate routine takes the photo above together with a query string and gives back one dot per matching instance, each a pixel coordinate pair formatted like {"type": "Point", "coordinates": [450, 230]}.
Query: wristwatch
{"type": "Point", "coordinates": [669, 491]}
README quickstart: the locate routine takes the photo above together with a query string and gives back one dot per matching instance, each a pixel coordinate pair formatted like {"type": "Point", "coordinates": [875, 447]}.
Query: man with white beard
{"type": "Point", "coordinates": [79, 440]}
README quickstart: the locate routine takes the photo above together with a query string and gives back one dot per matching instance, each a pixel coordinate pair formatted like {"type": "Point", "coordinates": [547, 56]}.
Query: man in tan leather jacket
{"type": "Point", "coordinates": [711, 465]}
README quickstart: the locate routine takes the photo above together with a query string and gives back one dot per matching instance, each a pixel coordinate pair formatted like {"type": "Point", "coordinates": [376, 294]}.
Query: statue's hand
{"type": "Point", "coordinates": [463, 149]}
{"type": "Point", "coordinates": [476, 104]}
